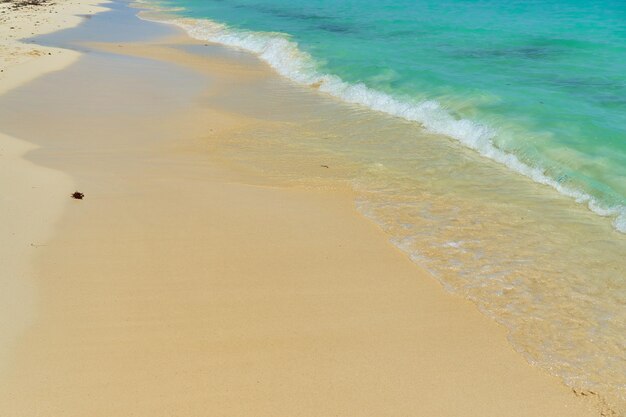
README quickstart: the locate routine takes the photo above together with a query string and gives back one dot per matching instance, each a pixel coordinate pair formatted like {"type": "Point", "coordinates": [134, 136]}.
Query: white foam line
{"type": "Point", "coordinates": [289, 61]}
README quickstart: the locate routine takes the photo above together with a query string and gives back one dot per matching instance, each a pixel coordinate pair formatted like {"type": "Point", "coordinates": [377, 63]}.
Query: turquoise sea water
{"type": "Point", "coordinates": [537, 85]}
{"type": "Point", "coordinates": [537, 238]}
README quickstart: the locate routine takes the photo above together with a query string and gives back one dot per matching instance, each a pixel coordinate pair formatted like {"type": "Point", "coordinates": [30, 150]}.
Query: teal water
{"type": "Point", "coordinates": [537, 85]}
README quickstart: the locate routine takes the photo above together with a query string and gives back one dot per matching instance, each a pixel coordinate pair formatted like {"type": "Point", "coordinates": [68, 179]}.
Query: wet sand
{"type": "Point", "coordinates": [32, 196]}
{"type": "Point", "coordinates": [181, 286]}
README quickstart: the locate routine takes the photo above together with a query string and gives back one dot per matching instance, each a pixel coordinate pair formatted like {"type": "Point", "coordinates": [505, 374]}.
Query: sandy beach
{"type": "Point", "coordinates": [32, 197]}
{"type": "Point", "coordinates": [185, 285]}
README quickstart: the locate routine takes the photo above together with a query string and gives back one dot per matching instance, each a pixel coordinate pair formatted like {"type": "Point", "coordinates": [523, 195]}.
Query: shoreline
{"type": "Point", "coordinates": [318, 337]}
{"type": "Point", "coordinates": [432, 116]}
{"type": "Point", "coordinates": [541, 332]}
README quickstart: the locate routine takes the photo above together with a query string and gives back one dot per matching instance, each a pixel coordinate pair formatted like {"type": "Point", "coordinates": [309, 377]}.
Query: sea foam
{"type": "Point", "coordinates": [286, 58]}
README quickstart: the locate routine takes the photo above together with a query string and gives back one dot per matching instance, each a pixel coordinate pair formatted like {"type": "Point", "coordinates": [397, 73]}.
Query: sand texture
{"type": "Point", "coordinates": [181, 286]}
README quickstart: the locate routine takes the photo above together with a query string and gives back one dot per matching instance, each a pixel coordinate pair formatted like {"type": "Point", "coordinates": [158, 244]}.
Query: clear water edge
{"type": "Point", "coordinates": [382, 206]}
{"type": "Point", "coordinates": [288, 59]}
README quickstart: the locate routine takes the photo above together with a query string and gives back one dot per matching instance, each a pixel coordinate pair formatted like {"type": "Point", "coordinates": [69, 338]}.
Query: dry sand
{"type": "Point", "coordinates": [178, 288]}
{"type": "Point", "coordinates": [21, 60]}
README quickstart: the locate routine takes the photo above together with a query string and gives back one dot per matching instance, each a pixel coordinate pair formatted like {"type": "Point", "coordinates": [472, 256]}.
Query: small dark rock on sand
{"type": "Point", "coordinates": [78, 195]}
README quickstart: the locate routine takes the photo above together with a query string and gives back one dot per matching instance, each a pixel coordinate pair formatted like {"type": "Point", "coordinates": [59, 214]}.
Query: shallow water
{"type": "Point", "coordinates": [534, 259]}
{"type": "Point", "coordinates": [536, 85]}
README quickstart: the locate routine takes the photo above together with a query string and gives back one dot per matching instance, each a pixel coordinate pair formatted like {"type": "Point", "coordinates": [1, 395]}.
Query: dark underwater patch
{"type": "Point", "coordinates": [523, 52]}
{"type": "Point", "coordinates": [279, 12]}
{"type": "Point", "coordinates": [577, 82]}
{"type": "Point", "coordinates": [335, 28]}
